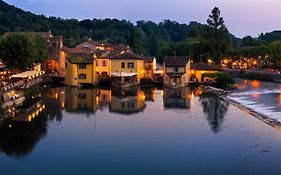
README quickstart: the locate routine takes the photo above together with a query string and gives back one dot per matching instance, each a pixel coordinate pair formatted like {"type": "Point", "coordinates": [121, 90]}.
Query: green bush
{"type": "Point", "coordinates": [221, 78]}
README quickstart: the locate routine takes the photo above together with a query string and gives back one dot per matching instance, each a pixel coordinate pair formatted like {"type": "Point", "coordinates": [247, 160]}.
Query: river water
{"type": "Point", "coordinates": [263, 97]}
{"type": "Point", "coordinates": [142, 131]}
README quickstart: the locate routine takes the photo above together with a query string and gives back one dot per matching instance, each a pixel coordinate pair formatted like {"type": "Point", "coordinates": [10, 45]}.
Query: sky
{"type": "Point", "coordinates": [242, 17]}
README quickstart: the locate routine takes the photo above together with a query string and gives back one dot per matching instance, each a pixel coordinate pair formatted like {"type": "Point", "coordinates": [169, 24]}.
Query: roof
{"type": "Point", "coordinates": [76, 50]}
{"type": "Point", "coordinates": [204, 66]}
{"type": "Point", "coordinates": [80, 58]}
{"type": "Point", "coordinates": [176, 61]}
{"type": "Point", "coordinates": [87, 45]}
{"type": "Point", "coordinates": [100, 43]}
{"type": "Point", "coordinates": [125, 55]}
{"type": "Point", "coordinates": [148, 59]}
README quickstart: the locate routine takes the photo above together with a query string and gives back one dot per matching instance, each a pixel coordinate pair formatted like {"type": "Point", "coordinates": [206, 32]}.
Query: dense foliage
{"type": "Point", "coordinates": [223, 79]}
{"type": "Point", "coordinates": [21, 51]}
{"type": "Point", "coordinates": [146, 37]}
{"type": "Point", "coordinates": [200, 41]}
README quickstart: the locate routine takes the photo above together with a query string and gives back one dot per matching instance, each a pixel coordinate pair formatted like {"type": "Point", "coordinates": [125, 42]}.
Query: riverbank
{"type": "Point", "coordinates": [255, 75]}
{"type": "Point", "coordinates": [224, 95]}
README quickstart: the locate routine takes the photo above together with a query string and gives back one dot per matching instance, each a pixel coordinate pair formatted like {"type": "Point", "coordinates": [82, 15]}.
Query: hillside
{"type": "Point", "coordinates": [150, 38]}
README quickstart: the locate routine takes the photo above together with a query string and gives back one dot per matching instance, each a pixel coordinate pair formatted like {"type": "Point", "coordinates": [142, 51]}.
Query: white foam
{"type": "Point", "coordinates": [255, 106]}
{"type": "Point", "coordinates": [258, 92]}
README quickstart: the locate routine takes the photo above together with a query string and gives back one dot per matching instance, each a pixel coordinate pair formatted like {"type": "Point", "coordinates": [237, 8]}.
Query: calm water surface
{"type": "Point", "coordinates": [141, 131]}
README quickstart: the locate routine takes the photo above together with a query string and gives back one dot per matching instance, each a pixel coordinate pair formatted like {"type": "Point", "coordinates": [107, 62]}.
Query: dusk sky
{"type": "Point", "coordinates": [243, 17]}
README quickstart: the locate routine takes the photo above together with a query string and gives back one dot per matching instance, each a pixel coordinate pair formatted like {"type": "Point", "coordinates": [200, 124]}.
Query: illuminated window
{"type": "Point", "coordinates": [82, 76]}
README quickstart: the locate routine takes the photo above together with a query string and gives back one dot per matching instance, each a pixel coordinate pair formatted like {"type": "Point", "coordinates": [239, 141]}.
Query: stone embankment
{"type": "Point", "coordinates": [223, 95]}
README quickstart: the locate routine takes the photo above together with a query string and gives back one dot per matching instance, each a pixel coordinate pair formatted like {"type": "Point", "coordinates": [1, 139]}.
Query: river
{"type": "Point", "coordinates": [65, 130]}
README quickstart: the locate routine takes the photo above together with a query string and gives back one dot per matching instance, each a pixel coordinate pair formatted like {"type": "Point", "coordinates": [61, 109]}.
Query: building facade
{"type": "Point", "coordinates": [176, 71]}
{"type": "Point", "coordinates": [199, 72]}
{"type": "Point", "coordinates": [81, 70]}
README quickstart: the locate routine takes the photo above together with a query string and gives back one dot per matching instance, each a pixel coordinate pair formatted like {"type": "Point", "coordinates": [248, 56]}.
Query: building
{"type": "Point", "coordinates": [199, 69]}
{"type": "Point", "coordinates": [81, 69]}
{"type": "Point", "coordinates": [127, 68]}
{"type": "Point", "coordinates": [149, 67]}
{"type": "Point", "coordinates": [103, 64]}
{"type": "Point", "coordinates": [176, 71]}
{"type": "Point", "coordinates": [64, 52]}
{"type": "Point", "coordinates": [97, 45]}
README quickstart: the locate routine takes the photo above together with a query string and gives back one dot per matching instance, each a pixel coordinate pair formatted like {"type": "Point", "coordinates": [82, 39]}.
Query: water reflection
{"type": "Point", "coordinates": [127, 101]}
{"type": "Point", "coordinates": [215, 110]}
{"type": "Point", "coordinates": [176, 98]}
{"type": "Point", "coordinates": [28, 123]}
{"type": "Point", "coordinates": [81, 100]}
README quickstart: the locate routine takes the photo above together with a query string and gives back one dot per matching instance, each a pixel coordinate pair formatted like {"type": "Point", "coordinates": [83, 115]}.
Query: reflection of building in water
{"type": "Point", "coordinates": [149, 93]}
{"type": "Point", "coordinates": [176, 98]}
{"type": "Point", "coordinates": [19, 138]}
{"type": "Point", "coordinates": [54, 101]}
{"type": "Point", "coordinates": [80, 100]}
{"type": "Point", "coordinates": [215, 110]}
{"type": "Point", "coordinates": [103, 98]}
{"type": "Point", "coordinates": [128, 102]}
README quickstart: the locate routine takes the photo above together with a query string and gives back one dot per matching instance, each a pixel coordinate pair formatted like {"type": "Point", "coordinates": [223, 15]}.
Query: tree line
{"type": "Point", "coordinates": [199, 41]}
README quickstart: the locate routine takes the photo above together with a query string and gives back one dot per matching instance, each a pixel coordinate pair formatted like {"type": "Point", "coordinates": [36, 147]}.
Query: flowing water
{"type": "Point", "coordinates": [141, 131]}
{"type": "Point", "coordinates": [263, 97]}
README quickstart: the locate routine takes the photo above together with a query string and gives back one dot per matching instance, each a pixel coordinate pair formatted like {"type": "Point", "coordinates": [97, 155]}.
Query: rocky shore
{"type": "Point", "coordinates": [223, 95]}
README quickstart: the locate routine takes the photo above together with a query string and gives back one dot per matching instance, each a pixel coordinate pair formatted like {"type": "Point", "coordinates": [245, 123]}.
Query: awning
{"type": "Point", "coordinates": [28, 74]}
{"type": "Point", "coordinates": [123, 74]}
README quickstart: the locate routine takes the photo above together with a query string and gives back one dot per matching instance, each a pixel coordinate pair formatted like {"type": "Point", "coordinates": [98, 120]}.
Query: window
{"type": "Point", "coordinates": [104, 63]}
{"type": "Point", "coordinates": [131, 65]}
{"type": "Point", "coordinates": [82, 66]}
{"type": "Point", "coordinates": [82, 76]}
{"type": "Point", "coordinates": [65, 65]}
{"type": "Point", "coordinates": [123, 65]}
{"type": "Point", "coordinates": [176, 69]}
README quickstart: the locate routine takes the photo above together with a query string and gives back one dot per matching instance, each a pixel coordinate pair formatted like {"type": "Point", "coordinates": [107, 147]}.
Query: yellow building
{"type": "Point", "coordinates": [80, 100]}
{"type": "Point", "coordinates": [63, 53]}
{"type": "Point", "coordinates": [198, 69]}
{"type": "Point", "coordinates": [81, 70]}
{"type": "Point", "coordinates": [127, 64]}
{"type": "Point", "coordinates": [149, 67]}
{"type": "Point", "coordinates": [103, 64]}
{"type": "Point", "coordinates": [176, 71]}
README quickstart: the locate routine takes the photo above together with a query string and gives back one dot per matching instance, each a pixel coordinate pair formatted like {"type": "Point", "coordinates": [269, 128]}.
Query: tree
{"type": "Point", "coordinates": [217, 36]}
{"type": "Point", "coordinates": [215, 21]}
{"type": "Point", "coordinates": [21, 51]}
{"type": "Point", "coordinates": [275, 53]}
{"type": "Point", "coordinates": [40, 49]}
{"type": "Point", "coordinates": [132, 43]}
